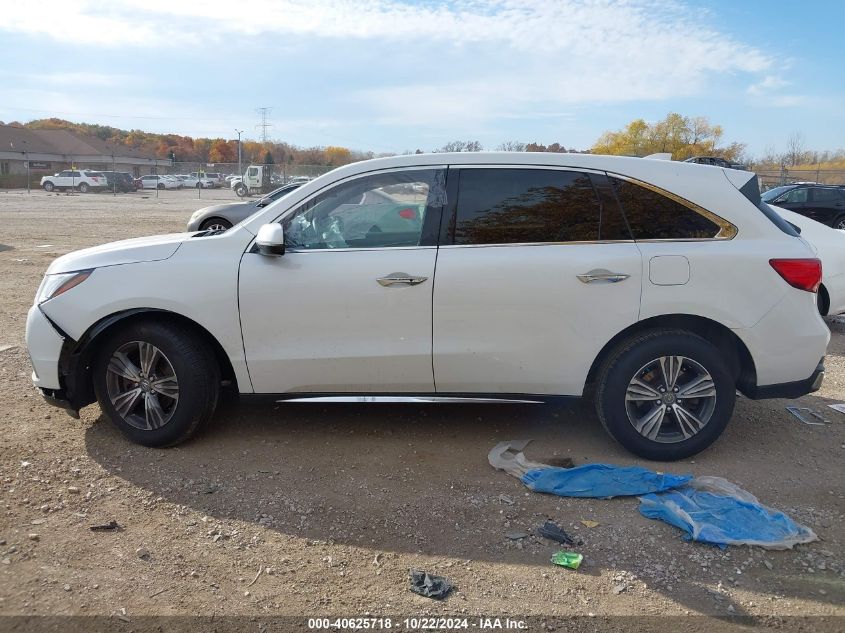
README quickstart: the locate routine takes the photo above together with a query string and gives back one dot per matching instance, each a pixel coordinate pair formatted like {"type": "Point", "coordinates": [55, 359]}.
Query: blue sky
{"type": "Point", "coordinates": [394, 75]}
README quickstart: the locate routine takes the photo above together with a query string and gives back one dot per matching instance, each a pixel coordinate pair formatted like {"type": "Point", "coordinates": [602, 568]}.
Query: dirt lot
{"type": "Point", "coordinates": [307, 510]}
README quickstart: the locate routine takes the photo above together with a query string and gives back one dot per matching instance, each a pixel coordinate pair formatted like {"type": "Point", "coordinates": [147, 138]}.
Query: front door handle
{"type": "Point", "coordinates": [602, 274]}
{"type": "Point", "coordinates": [403, 279]}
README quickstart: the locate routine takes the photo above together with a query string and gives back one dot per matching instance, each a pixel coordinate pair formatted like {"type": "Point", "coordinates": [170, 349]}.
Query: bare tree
{"type": "Point", "coordinates": [794, 148]}
{"type": "Point", "coordinates": [461, 146]}
{"type": "Point", "coordinates": [511, 146]}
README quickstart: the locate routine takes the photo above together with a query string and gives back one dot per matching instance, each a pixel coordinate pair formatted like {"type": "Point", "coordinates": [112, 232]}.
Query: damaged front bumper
{"type": "Point", "coordinates": [45, 345]}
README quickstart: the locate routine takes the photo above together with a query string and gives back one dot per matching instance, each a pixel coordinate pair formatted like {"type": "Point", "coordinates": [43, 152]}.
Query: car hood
{"type": "Point", "coordinates": [229, 206]}
{"type": "Point", "coordinates": [141, 249]}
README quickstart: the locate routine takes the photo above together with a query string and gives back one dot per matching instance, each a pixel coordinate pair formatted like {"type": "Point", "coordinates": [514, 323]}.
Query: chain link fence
{"type": "Point", "coordinates": [770, 178]}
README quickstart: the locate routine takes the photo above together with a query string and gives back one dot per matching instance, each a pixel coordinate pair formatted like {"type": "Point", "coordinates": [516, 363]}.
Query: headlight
{"type": "Point", "coordinates": [54, 285]}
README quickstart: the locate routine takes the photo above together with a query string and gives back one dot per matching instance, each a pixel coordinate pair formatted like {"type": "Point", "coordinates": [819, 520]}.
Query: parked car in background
{"type": "Point", "coordinates": [154, 181]}
{"type": "Point", "coordinates": [823, 203]}
{"type": "Point", "coordinates": [119, 181]}
{"type": "Point", "coordinates": [603, 275]}
{"type": "Point", "coordinates": [221, 217]}
{"type": "Point", "coordinates": [716, 161]}
{"type": "Point", "coordinates": [829, 244]}
{"type": "Point", "coordinates": [188, 181]}
{"type": "Point", "coordinates": [82, 180]}
{"type": "Point", "coordinates": [204, 179]}
{"type": "Point", "coordinates": [217, 178]}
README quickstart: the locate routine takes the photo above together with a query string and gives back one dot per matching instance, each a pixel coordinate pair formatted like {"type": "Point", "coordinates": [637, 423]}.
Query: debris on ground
{"type": "Point", "coordinates": [796, 411]}
{"type": "Point", "coordinates": [839, 406]}
{"type": "Point", "coordinates": [554, 532]}
{"type": "Point", "coordinates": [709, 509]}
{"type": "Point", "coordinates": [515, 536]}
{"type": "Point", "coordinates": [601, 481]}
{"type": "Point", "coordinates": [572, 560]}
{"type": "Point", "coordinates": [589, 524]}
{"type": "Point", "coordinates": [714, 510]}
{"type": "Point", "coordinates": [429, 586]}
{"type": "Point", "coordinates": [105, 527]}
{"type": "Point", "coordinates": [560, 462]}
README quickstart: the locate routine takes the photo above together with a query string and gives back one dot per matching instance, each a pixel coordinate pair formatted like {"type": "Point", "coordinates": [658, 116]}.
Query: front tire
{"type": "Point", "coordinates": [157, 382]}
{"type": "Point", "coordinates": [217, 224]}
{"type": "Point", "coordinates": [241, 190]}
{"type": "Point", "coordinates": [839, 222]}
{"type": "Point", "coordinates": [49, 186]}
{"type": "Point", "coordinates": [665, 394]}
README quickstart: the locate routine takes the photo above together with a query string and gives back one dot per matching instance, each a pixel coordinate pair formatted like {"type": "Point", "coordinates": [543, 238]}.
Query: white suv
{"type": "Point", "coordinates": [82, 180]}
{"type": "Point", "coordinates": [658, 287]}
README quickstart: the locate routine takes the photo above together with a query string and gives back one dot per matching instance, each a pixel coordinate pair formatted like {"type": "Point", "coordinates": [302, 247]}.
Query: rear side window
{"type": "Point", "coordinates": [826, 195]}
{"type": "Point", "coordinates": [521, 206]}
{"type": "Point", "coordinates": [654, 216]}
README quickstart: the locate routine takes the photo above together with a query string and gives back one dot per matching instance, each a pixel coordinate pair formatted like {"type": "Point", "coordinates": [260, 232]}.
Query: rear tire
{"type": "Point", "coordinates": [160, 186]}
{"type": "Point", "coordinates": [653, 421]}
{"type": "Point", "coordinates": [83, 187]}
{"type": "Point", "coordinates": [839, 222]}
{"type": "Point", "coordinates": [157, 382]}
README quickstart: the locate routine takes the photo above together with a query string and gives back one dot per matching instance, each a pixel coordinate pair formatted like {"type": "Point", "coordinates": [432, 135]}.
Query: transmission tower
{"type": "Point", "coordinates": [265, 124]}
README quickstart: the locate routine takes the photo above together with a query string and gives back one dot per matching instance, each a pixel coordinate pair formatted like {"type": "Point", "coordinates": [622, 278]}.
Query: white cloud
{"type": "Point", "coordinates": [766, 85]}
{"type": "Point", "coordinates": [493, 60]}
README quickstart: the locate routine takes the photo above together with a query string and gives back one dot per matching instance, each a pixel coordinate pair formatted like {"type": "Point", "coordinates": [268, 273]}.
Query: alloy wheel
{"type": "Point", "coordinates": [670, 399]}
{"type": "Point", "coordinates": [142, 385]}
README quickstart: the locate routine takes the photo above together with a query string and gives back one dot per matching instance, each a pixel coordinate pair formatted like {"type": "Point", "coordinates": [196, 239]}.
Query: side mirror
{"type": "Point", "coordinates": [271, 240]}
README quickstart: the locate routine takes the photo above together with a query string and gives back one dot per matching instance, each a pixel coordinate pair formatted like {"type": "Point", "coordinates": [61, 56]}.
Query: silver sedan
{"type": "Point", "coordinates": [220, 217]}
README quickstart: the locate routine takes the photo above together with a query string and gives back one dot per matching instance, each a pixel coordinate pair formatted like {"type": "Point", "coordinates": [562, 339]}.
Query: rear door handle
{"type": "Point", "coordinates": [400, 279]}
{"type": "Point", "coordinates": [602, 274]}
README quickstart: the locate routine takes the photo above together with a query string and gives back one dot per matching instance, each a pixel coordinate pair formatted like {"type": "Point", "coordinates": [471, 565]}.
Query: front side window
{"type": "Point", "coordinates": [795, 196]}
{"type": "Point", "coordinates": [529, 206]}
{"type": "Point", "coordinates": [655, 216]}
{"type": "Point", "coordinates": [378, 211]}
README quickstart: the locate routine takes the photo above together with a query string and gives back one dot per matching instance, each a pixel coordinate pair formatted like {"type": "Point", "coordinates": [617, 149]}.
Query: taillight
{"type": "Point", "coordinates": [408, 214]}
{"type": "Point", "coordinates": [804, 274]}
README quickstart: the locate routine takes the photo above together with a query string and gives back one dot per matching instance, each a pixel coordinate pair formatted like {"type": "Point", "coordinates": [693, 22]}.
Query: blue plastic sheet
{"type": "Point", "coordinates": [713, 510]}
{"type": "Point", "coordinates": [708, 509]}
{"type": "Point", "coordinates": [601, 481]}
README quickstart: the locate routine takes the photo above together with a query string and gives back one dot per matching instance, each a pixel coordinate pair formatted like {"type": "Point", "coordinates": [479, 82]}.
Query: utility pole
{"type": "Point", "coordinates": [265, 123]}
{"type": "Point", "coordinates": [240, 169]}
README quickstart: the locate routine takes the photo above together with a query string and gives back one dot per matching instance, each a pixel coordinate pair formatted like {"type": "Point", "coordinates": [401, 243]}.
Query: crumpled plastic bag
{"type": "Point", "coordinates": [599, 481]}
{"type": "Point", "coordinates": [714, 510]}
{"type": "Point", "coordinates": [428, 585]}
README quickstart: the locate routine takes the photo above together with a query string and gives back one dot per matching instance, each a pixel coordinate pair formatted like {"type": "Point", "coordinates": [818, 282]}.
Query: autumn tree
{"type": "Point", "coordinates": [337, 155]}
{"type": "Point", "coordinates": [678, 135]}
{"type": "Point", "coordinates": [222, 152]}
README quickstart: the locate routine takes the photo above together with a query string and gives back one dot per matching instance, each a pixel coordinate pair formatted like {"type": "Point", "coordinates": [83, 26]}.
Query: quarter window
{"type": "Point", "coordinates": [378, 211]}
{"type": "Point", "coordinates": [654, 216]}
{"type": "Point", "coordinates": [517, 206]}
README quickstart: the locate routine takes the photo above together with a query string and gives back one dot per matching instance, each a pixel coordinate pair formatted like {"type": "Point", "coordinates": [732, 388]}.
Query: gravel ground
{"type": "Point", "coordinates": [305, 510]}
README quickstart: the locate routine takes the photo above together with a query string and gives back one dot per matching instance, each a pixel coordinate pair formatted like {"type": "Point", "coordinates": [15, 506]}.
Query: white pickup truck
{"type": "Point", "coordinates": [83, 180]}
